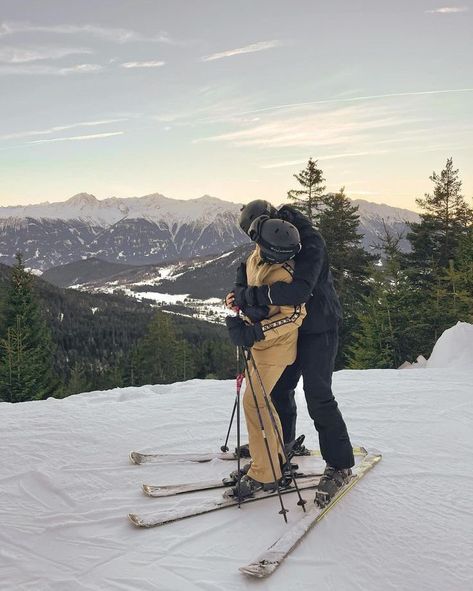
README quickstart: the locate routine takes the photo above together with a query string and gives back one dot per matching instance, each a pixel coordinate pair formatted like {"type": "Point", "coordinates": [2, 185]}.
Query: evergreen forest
{"type": "Point", "coordinates": [58, 342]}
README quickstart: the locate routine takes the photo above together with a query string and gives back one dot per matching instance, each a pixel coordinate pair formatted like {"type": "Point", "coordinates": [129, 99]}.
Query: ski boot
{"type": "Point", "coordinates": [287, 467]}
{"type": "Point", "coordinates": [244, 451]}
{"type": "Point", "coordinates": [299, 448]}
{"type": "Point", "coordinates": [247, 487]}
{"type": "Point", "coordinates": [235, 475]}
{"type": "Point", "coordinates": [331, 482]}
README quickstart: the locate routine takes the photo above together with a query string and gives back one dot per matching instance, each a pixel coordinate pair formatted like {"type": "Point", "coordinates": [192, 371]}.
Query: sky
{"type": "Point", "coordinates": [194, 97]}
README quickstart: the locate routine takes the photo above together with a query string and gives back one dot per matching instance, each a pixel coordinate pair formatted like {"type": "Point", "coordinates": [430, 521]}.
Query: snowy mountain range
{"type": "Point", "coordinates": [143, 230]}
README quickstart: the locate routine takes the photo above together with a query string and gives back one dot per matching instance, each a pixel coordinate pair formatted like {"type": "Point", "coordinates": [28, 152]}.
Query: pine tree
{"type": "Point", "coordinates": [161, 357]}
{"type": "Point", "coordinates": [26, 350]}
{"type": "Point", "coordinates": [463, 281]}
{"type": "Point", "coordinates": [438, 269]}
{"type": "Point", "coordinates": [383, 339]}
{"type": "Point", "coordinates": [78, 381]}
{"type": "Point", "coordinates": [350, 263]}
{"type": "Point", "coordinates": [445, 218]}
{"type": "Point", "coordinates": [309, 198]}
{"type": "Point", "coordinates": [371, 347]}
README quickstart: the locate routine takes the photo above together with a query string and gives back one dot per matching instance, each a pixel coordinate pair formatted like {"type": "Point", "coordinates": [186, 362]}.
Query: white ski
{"type": "Point", "coordinates": [137, 457]}
{"type": "Point", "coordinates": [269, 560]}
{"type": "Point", "coordinates": [189, 487]}
{"type": "Point", "coordinates": [207, 506]}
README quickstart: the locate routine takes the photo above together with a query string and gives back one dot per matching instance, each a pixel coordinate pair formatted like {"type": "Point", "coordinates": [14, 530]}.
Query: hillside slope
{"type": "Point", "coordinates": [67, 487]}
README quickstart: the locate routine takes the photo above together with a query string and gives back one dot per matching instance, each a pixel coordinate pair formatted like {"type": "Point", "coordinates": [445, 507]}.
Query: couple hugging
{"type": "Point", "coordinates": [289, 327]}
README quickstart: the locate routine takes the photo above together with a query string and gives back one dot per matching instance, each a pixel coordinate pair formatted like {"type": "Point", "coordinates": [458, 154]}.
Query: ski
{"type": "Point", "coordinates": [272, 558]}
{"type": "Point", "coordinates": [137, 457]}
{"type": "Point", "coordinates": [209, 505]}
{"type": "Point", "coordinates": [179, 489]}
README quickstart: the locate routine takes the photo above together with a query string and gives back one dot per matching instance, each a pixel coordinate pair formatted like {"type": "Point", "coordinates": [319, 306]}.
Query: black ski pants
{"type": "Point", "coordinates": [315, 362]}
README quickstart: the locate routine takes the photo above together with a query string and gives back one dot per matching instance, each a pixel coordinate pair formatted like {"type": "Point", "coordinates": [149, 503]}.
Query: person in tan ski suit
{"type": "Point", "coordinates": [271, 332]}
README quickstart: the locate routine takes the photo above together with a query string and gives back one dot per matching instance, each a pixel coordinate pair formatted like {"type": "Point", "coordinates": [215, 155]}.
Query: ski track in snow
{"type": "Point", "coordinates": [67, 486]}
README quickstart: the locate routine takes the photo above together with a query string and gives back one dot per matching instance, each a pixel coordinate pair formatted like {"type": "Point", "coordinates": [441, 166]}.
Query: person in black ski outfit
{"type": "Point", "coordinates": [317, 342]}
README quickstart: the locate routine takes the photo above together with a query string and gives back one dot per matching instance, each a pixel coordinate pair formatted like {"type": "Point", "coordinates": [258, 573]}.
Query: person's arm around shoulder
{"type": "Point", "coordinates": [308, 266]}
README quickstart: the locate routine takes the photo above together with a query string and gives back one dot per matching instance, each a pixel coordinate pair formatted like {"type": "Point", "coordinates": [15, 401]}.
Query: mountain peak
{"type": "Point", "coordinates": [82, 199]}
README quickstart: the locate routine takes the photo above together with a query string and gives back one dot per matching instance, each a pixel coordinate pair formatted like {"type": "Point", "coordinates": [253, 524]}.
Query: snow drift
{"type": "Point", "coordinates": [454, 348]}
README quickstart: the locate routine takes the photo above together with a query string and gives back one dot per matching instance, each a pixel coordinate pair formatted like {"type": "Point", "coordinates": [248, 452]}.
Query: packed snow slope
{"type": "Point", "coordinates": [67, 486]}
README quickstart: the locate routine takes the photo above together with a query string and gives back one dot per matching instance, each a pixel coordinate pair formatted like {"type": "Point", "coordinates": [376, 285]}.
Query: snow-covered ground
{"type": "Point", "coordinates": [67, 485]}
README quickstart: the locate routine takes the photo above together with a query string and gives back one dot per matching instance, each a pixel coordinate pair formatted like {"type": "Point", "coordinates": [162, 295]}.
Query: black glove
{"type": "Point", "coordinates": [242, 334]}
{"type": "Point", "coordinates": [256, 313]}
{"type": "Point", "coordinates": [251, 296]}
{"type": "Point", "coordinates": [241, 284]}
{"type": "Point", "coordinates": [240, 278]}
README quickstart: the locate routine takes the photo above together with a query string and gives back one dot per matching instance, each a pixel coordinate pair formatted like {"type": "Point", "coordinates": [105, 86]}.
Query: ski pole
{"type": "Point", "coordinates": [301, 501]}
{"type": "Point", "coordinates": [260, 419]}
{"type": "Point", "coordinates": [239, 380]}
{"type": "Point", "coordinates": [224, 447]}
{"type": "Point", "coordinates": [240, 377]}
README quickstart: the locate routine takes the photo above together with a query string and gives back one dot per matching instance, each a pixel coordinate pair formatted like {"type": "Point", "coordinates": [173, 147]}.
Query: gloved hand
{"type": "Point", "coordinates": [242, 334]}
{"type": "Point", "coordinates": [256, 313]}
{"type": "Point", "coordinates": [251, 296]}
{"type": "Point", "coordinates": [240, 286]}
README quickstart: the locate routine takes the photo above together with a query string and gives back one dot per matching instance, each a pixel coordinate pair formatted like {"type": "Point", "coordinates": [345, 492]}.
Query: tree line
{"type": "Point", "coordinates": [396, 304]}
{"type": "Point", "coordinates": [56, 342]}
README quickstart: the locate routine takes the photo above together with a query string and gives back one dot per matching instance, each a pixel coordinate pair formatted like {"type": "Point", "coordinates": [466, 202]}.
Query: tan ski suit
{"type": "Point", "coordinates": [271, 355]}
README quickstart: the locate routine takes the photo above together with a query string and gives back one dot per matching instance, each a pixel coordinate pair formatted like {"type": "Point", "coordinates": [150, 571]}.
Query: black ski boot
{"type": "Point", "coordinates": [235, 476]}
{"type": "Point", "coordinates": [331, 482]}
{"type": "Point", "coordinates": [247, 487]}
{"type": "Point", "coordinates": [290, 451]}
{"type": "Point", "coordinates": [244, 451]}
{"type": "Point", "coordinates": [299, 448]}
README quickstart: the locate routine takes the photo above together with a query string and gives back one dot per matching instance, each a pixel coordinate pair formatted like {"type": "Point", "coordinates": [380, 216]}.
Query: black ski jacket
{"type": "Point", "coordinates": [312, 282]}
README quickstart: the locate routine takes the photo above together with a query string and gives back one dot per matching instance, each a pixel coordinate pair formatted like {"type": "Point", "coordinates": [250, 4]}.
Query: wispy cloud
{"type": "Point", "coordinates": [253, 48]}
{"type": "Point", "coordinates": [48, 70]}
{"type": "Point", "coordinates": [354, 99]}
{"type": "Point", "coordinates": [22, 55]}
{"type": "Point", "coordinates": [117, 35]}
{"type": "Point", "coordinates": [148, 64]}
{"type": "Point", "coordinates": [58, 128]}
{"type": "Point", "coordinates": [448, 10]}
{"type": "Point", "coordinates": [328, 157]}
{"type": "Point", "coordinates": [284, 163]}
{"type": "Point", "coordinates": [317, 128]}
{"type": "Point", "coordinates": [78, 138]}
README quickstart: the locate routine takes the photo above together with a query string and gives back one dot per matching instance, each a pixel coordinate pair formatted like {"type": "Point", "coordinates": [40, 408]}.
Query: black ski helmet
{"type": "Point", "coordinates": [253, 210]}
{"type": "Point", "coordinates": [278, 239]}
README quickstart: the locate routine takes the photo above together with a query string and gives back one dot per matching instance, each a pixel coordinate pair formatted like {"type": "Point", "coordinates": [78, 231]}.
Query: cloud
{"type": "Point", "coordinates": [78, 138]}
{"type": "Point", "coordinates": [354, 99]}
{"type": "Point", "coordinates": [285, 163]}
{"type": "Point", "coordinates": [328, 157]}
{"type": "Point", "coordinates": [81, 68]}
{"type": "Point", "coordinates": [253, 48]}
{"type": "Point", "coordinates": [56, 128]}
{"type": "Point", "coordinates": [47, 70]}
{"type": "Point", "coordinates": [448, 10]}
{"type": "Point", "coordinates": [117, 35]}
{"type": "Point", "coordinates": [148, 64]}
{"type": "Point", "coordinates": [22, 55]}
{"type": "Point", "coordinates": [317, 128]}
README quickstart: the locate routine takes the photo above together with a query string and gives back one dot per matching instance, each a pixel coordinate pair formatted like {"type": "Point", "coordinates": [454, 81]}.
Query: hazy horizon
{"type": "Point", "coordinates": [275, 201]}
{"type": "Point", "coordinates": [121, 98]}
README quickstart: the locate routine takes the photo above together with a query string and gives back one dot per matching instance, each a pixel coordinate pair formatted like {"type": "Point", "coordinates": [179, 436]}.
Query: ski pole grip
{"type": "Point", "coordinates": [239, 381]}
